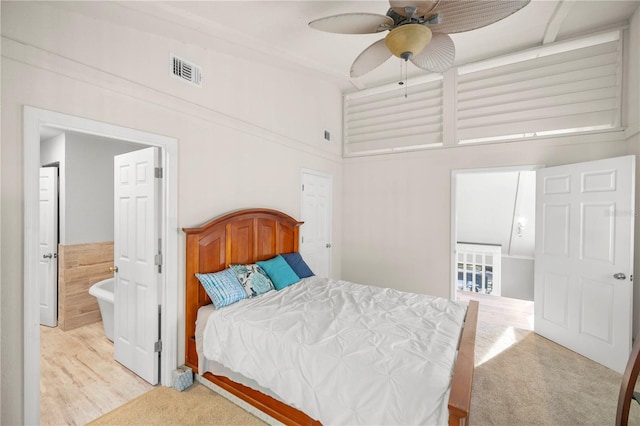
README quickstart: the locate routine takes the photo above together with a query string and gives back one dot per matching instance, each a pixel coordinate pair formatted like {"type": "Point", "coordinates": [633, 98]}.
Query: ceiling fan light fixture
{"type": "Point", "coordinates": [407, 40]}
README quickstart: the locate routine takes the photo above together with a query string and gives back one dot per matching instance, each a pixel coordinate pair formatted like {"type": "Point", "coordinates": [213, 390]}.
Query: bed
{"type": "Point", "coordinates": [248, 236]}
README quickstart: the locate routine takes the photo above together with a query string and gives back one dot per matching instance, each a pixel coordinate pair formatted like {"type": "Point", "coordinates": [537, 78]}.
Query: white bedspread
{"type": "Point", "coordinates": [344, 353]}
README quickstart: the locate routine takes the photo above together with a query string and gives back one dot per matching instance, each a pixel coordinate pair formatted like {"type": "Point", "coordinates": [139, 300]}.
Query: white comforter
{"type": "Point", "coordinates": [344, 353]}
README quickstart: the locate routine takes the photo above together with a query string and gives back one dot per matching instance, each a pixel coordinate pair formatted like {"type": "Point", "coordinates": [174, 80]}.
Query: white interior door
{"type": "Point", "coordinates": [584, 258]}
{"type": "Point", "coordinates": [136, 244]}
{"type": "Point", "coordinates": [315, 242]}
{"type": "Point", "coordinates": [48, 243]}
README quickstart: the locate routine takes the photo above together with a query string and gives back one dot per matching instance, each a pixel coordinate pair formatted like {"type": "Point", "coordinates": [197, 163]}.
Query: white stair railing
{"type": "Point", "coordinates": [479, 267]}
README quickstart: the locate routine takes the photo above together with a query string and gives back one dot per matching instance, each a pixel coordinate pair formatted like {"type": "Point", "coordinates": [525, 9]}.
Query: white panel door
{"type": "Point", "coordinates": [136, 230]}
{"type": "Point", "coordinates": [584, 258]}
{"type": "Point", "coordinates": [315, 241]}
{"type": "Point", "coordinates": [48, 243]}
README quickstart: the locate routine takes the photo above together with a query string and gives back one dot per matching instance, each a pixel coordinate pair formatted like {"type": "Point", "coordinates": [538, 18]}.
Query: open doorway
{"type": "Point", "coordinates": [493, 239]}
{"type": "Point", "coordinates": [77, 339]}
{"type": "Point", "coordinates": [34, 120]}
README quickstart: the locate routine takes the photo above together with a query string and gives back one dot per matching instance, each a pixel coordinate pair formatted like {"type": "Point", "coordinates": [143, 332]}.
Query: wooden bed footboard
{"type": "Point", "coordinates": [460, 396]}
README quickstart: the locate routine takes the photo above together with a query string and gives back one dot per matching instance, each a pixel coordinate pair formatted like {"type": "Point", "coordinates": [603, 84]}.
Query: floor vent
{"type": "Point", "coordinates": [185, 70]}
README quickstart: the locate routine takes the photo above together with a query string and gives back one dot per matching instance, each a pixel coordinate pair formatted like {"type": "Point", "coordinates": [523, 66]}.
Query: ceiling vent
{"type": "Point", "coordinates": [185, 70]}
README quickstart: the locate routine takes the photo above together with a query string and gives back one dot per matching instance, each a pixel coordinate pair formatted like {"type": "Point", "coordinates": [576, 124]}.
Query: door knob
{"type": "Point", "coordinates": [328, 245]}
{"type": "Point", "coordinates": [113, 269]}
{"type": "Point", "coordinates": [620, 276]}
{"type": "Point", "coordinates": [50, 256]}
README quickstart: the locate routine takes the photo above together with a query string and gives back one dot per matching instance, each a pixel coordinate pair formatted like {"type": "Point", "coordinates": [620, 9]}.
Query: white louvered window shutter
{"type": "Point", "coordinates": [564, 92]}
{"type": "Point", "coordinates": [384, 120]}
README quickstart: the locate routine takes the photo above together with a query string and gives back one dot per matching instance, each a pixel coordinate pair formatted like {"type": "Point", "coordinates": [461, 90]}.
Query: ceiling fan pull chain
{"type": "Point", "coordinates": [403, 81]}
{"type": "Point", "coordinates": [406, 82]}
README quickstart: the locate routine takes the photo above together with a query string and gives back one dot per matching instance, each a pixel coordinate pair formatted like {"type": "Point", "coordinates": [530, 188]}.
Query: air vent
{"type": "Point", "coordinates": [185, 70]}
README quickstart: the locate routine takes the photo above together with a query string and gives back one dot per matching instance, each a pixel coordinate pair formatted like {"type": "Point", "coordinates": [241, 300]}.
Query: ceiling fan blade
{"type": "Point", "coordinates": [370, 58]}
{"type": "Point", "coordinates": [423, 7]}
{"type": "Point", "coordinates": [459, 16]}
{"type": "Point", "coordinates": [439, 54]}
{"type": "Point", "coordinates": [353, 23]}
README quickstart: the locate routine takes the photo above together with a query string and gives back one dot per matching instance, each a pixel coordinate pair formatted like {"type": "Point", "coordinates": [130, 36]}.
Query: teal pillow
{"type": "Point", "coordinates": [279, 271]}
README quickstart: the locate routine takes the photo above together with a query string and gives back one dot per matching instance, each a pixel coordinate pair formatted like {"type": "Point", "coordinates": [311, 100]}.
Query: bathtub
{"type": "Point", "coordinates": [103, 291]}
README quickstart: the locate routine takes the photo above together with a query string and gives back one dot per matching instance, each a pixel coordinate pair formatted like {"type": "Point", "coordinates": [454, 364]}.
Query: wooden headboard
{"type": "Point", "coordinates": [243, 236]}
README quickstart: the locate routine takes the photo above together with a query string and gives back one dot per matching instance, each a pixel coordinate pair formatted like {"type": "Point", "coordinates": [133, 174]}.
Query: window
{"type": "Point", "coordinates": [562, 88]}
{"type": "Point", "coordinates": [383, 120]}
{"type": "Point", "coordinates": [565, 88]}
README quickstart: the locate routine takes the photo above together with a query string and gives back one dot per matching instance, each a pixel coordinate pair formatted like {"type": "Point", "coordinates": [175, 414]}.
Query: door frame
{"type": "Point", "coordinates": [305, 171]}
{"type": "Point", "coordinates": [453, 269]}
{"type": "Point", "coordinates": [33, 119]}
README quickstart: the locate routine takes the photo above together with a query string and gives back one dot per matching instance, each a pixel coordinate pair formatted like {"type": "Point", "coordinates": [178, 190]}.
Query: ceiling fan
{"type": "Point", "coordinates": [418, 30]}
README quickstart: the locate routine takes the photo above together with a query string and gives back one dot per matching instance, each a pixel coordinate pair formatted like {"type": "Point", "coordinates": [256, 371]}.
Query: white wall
{"type": "Point", "coordinates": [517, 278]}
{"type": "Point", "coordinates": [52, 150]}
{"type": "Point", "coordinates": [397, 208]}
{"type": "Point", "coordinates": [243, 138]}
{"type": "Point", "coordinates": [86, 184]}
{"type": "Point", "coordinates": [484, 207]}
{"type": "Point", "coordinates": [89, 187]}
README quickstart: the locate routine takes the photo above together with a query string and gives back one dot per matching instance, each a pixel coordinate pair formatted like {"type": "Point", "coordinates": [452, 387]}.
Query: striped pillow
{"type": "Point", "coordinates": [222, 287]}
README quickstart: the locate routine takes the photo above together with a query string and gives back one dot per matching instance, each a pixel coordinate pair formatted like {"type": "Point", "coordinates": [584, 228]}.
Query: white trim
{"type": "Point", "coordinates": [33, 118]}
{"type": "Point", "coordinates": [553, 26]}
{"type": "Point", "coordinates": [453, 267]}
{"type": "Point", "coordinates": [601, 37]}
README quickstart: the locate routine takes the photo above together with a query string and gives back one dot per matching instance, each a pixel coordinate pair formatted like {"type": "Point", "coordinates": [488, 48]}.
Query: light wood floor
{"type": "Point", "coordinates": [501, 310]}
{"type": "Point", "coordinates": [79, 379]}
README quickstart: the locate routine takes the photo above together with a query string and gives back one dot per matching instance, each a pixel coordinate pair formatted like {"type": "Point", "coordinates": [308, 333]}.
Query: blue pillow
{"type": "Point", "coordinates": [279, 271]}
{"type": "Point", "coordinates": [222, 287]}
{"type": "Point", "coordinates": [298, 265]}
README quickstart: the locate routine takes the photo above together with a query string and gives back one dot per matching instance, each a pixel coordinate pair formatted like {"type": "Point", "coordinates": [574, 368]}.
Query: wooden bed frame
{"type": "Point", "coordinates": [246, 236]}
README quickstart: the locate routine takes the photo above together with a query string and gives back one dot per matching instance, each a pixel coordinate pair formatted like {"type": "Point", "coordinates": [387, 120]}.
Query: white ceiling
{"type": "Point", "coordinates": [276, 32]}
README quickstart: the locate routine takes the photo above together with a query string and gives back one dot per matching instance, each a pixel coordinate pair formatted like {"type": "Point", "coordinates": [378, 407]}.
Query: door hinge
{"type": "Point", "coordinates": [158, 172]}
{"type": "Point", "coordinates": [158, 259]}
{"type": "Point", "coordinates": [302, 239]}
{"type": "Point", "coordinates": [157, 347]}
{"type": "Point", "coordinates": [303, 186]}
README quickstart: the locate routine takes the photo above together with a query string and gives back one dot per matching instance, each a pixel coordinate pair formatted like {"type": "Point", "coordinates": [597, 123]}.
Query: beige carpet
{"type": "Point", "coordinates": [520, 379]}
{"type": "Point", "coordinates": [197, 405]}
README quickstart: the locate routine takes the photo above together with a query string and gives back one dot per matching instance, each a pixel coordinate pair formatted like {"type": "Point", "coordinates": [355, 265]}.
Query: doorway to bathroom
{"type": "Point", "coordinates": [84, 223]}
{"type": "Point", "coordinates": [82, 332]}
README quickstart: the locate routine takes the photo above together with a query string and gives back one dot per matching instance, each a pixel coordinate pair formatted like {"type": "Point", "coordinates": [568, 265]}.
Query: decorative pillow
{"type": "Point", "coordinates": [279, 271]}
{"type": "Point", "coordinates": [222, 287]}
{"type": "Point", "coordinates": [253, 279]}
{"type": "Point", "coordinates": [298, 264]}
